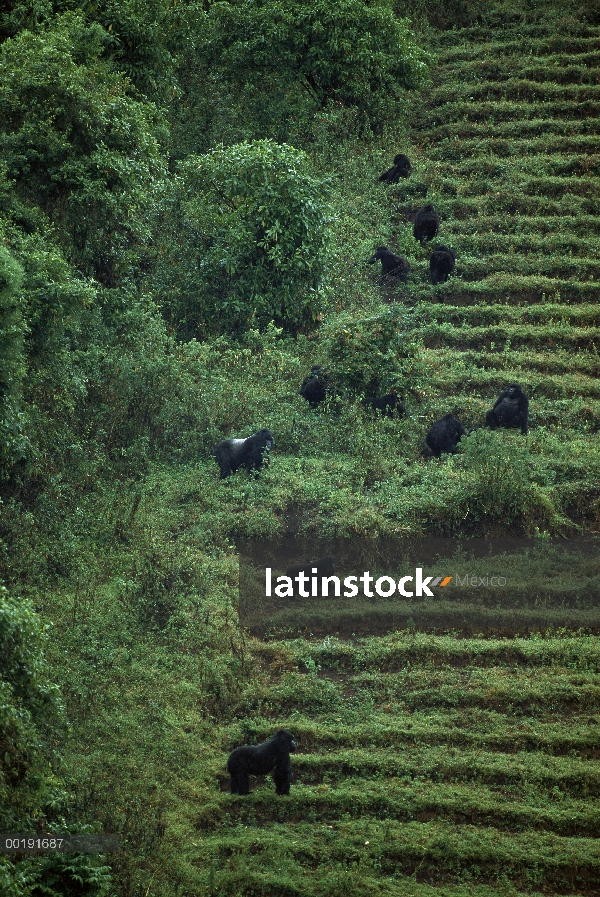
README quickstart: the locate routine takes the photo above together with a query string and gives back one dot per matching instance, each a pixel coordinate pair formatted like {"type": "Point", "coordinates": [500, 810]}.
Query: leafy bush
{"type": "Point", "coordinates": [246, 241]}
{"type": "Point", "coordinates": [349, 51]}
{"type": "Point", "coordinates": [373, 355]}
{"type": "Point", "coordinates": [75, 144]}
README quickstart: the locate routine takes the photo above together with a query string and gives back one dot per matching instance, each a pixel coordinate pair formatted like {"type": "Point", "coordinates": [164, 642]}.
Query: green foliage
{"type": "Point", "coordinates": [12, 443]}
{"type": "Point", "coordinates": [246, 240]}
{"type": "Point", "coordinates": [75, 144]}
{"type": "Point", "coordinates": [343, 51]}
{"type": "Point", "coordinates": [372, 355]}
{"type": "Point", "coordinates": [31, 716]}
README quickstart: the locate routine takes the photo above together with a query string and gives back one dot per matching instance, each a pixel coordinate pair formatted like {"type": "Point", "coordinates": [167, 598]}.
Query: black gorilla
{"type": "Point", "coordinates": [231, 454]}
{"type": "Point", "coordinates": [426, 225]}
{"type": "Point", "coordinates": [389, 404]}
{"type": "Point", "coordinates": [444, 435]}
{"type": "Point", "coordinates": [400, 169]}
{"type": "Point", "coordinates": [259, 759]}
{"type": "Point", "coordinates": [392, 264]}
{"type": "Point", "coordinates": [511, 410]}
{"type": "Point", "coordinates": [314, 386]}
{"type": "Point", "coordinates": [441, 264]}
{"type": "Point", "coordinates": [324, 567]}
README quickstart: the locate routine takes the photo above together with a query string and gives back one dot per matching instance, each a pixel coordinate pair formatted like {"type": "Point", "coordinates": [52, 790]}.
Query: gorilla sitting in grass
{"type": "Point", "coordinates": [444, 435]}
{"type": "Point", "coordinates": [511, 410]}
{"type": "Point", "coordinates": [259, 759]}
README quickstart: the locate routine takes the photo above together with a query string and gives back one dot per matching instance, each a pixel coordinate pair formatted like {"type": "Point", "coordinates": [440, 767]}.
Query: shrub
{"type": "Point", "coordinates": [251, 238]}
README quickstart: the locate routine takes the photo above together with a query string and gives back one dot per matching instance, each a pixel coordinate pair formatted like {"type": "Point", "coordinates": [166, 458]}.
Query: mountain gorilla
{"type": "Point", "coordinates": [231, 454]}
{"type": "Point", "coordinates": [511, 410]}
{"type": "Point", "coordinates": [400, 169]}
{"type": "Point", "coordinates": [392, 264]}
{"type": "Point", "coordinates": [426, 224]}
{"type": "Point", "coordinates": [388, 405]}
{"type": "Point", "coordinates": [314, 386]}
{"type": "Point", "coordinates": [441, 264]}
{"type": "Point", "coordinates": [444, 435]}
{"type": "Point", "coordinates": [257, 760]}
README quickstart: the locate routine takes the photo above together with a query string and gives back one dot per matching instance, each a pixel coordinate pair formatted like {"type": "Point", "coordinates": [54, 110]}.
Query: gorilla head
{"type": "Point", "coordinates": [231, 454]}
{"type": "Point", "coordinates": [387, 405]}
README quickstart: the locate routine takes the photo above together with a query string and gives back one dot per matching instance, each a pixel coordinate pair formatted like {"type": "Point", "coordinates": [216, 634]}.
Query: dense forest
{"type": "Point", "coordinates": [190, 197]}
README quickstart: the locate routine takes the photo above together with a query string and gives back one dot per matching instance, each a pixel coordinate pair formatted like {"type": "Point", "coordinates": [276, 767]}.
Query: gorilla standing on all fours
{"type": "Point", "coordinates": [400, 169]}
{"type": "Point", "coordinates": [441, 264]}
{"type": "Point", "coordinates": [392, 264]}
{"type": "Point", "coordinates": [388, 405]}
{"type": "Point", "coordinates": [426, 225]}
{"type": "Point", "coordinates": [511, 410]}
{"type": "Point", "coordinates": [444, 435]}
{"type": "Point", "coordinates": [314, 387]}
{"type": "Point", "coordinates": [259, 759]}
{"type": "Point", "coordinates": [231, 454]}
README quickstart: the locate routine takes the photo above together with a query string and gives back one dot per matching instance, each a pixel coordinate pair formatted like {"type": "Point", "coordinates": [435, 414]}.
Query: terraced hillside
{"type": "Point", "coordinates": [437, 764]}
{"type": "Point", "coordinates": [510, 142]}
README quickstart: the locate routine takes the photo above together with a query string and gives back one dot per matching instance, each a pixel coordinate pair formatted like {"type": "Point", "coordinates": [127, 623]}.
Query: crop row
{"type": "Point", "coordinates": [560, 68]}
{"type": "Point", "coordinates": [514, 129]}
{"type": "Point", "coordinates": [492, 111]}
{"type": "Point", "coordinates": [518, 89]}
{"type": "Point", "coordinates": [491, 146]}
{"type": "Point", "coordinates": [488, 240]}
{"type": "Point", "coordinates": [528, 228]}
{"type": "Point", "coordinates": [578, 315]}
{"type": "Point", "coordinates": [477, 45]}
{"type": "Point", "coordinates": [510, 289]}
{"type": "Point", "coordinates": [518, 336]}
{"type": "Point", "coordinates": [460, 164]}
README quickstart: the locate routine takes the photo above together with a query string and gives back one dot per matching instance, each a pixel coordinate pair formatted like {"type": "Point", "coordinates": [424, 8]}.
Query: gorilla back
{"type": "Point", "coordinates": [231, 454]}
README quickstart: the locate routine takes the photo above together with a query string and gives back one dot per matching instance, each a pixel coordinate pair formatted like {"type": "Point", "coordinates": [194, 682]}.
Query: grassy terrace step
{"type": "Point", "coordinates": [393, 652]}
{"type": "Point", "coordinates": [519, 89]}
{"type": "Point", "coordinates": [533, 40]}
{"type": "Point", "coordinates": [468, 336]}
{"type": "Point", "coordinates": [505, 110]}
{"type": "Point", "coordinates": [559, 67]}
{"type": "Point", "coordinates": [514, 130]}
{"type": "Point", "coordinates": [464, 165]}
{"type": "Point", "coordinates": [273, 859]}
{"type": "Point", "coordinates": [526, 240]}
{"type": "Point", "coordinates": [501, 314]}
{"type": "Point", "coordinates": [529, 228]}
{"type": "Point", "coordinates": [569, 774]}
{"type": "Point", "coordinates": [512, 290]}
{"type": "Point", "coordinates": [549, 361]}
{"type": "Point", "coordinates": [394, 799]}
{"type": "Point", "coordinates": [494, 147]}
{"type": "Point", "coordinates": [473, 268]}
{"type": "Point", "coordinates": [547, 187]}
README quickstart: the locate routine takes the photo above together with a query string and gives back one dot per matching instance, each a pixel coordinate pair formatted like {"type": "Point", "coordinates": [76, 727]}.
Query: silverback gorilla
{"type": "Point", "coordinates": [400, 169]}
{"type": "Point", "coordinates": [444, 435]}
{"type": "Point", "coordinates": [392, 264]}
{"type": "Point", "coordinates": [259, 759]}
{"type": "Point", "coordinates": [441, 264]}
{"type": "Point", "coordinates": [426, 224]}
{"type": "Point", "coordinates": [511, 410]}
{"type": "Point", "coordinates": [231, 454]}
